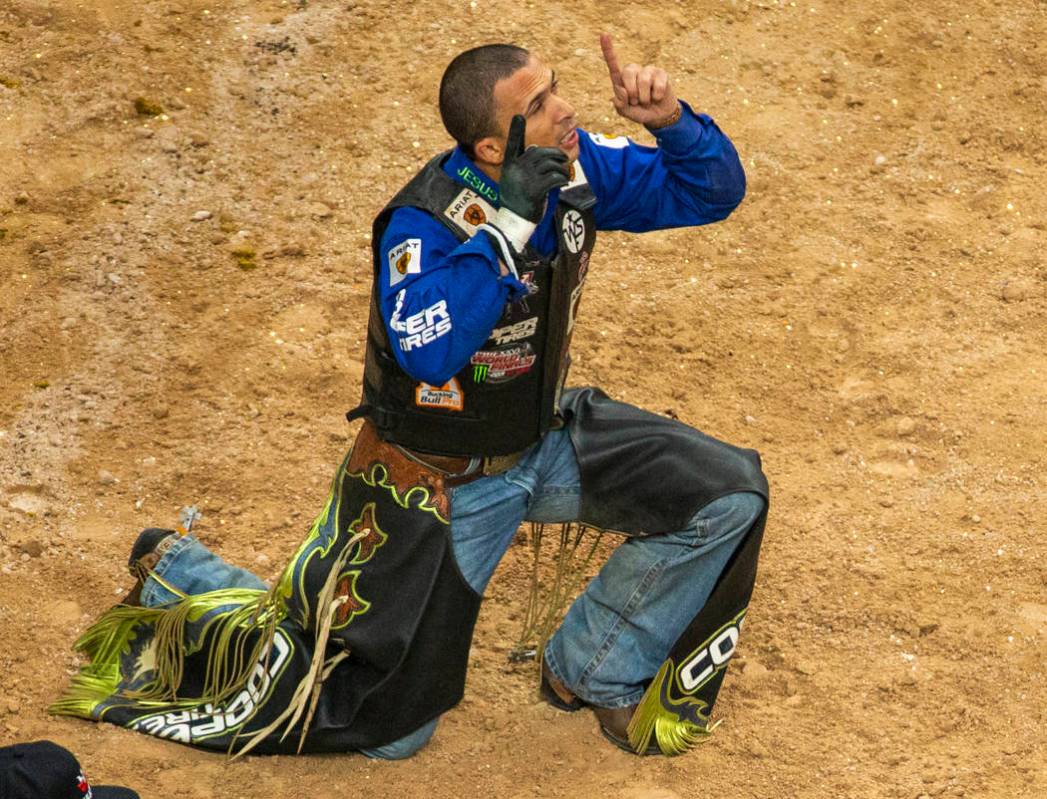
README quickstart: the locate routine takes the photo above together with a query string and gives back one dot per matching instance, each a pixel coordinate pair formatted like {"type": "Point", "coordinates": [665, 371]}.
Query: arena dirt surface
{"type": "Point", "coordinates": [872, 319]}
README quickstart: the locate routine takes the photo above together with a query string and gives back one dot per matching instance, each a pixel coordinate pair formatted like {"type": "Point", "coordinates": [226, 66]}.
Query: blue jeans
{"type": "Point", "coordinates": [616, 634]}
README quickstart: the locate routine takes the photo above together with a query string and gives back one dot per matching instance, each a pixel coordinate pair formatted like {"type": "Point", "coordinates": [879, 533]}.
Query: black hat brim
{"type": "Point", "coordinates": [112, 792]}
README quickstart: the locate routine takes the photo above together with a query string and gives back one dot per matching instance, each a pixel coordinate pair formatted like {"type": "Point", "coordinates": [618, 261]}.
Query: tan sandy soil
{"type": "Point", "coordinates": [872, 318]}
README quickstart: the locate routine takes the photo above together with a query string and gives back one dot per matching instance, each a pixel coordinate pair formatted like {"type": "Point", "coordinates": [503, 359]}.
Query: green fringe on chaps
{"type": "Point", "coordinates": [673, 733]}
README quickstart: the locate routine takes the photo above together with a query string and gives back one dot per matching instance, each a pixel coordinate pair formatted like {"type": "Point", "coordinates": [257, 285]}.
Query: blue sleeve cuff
{"type": "Point", "coordinates": [681, 136]}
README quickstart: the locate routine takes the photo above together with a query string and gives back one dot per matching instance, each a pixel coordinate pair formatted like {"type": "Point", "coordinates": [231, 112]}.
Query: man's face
{"type": "Point", "coordinates": [532, 91]}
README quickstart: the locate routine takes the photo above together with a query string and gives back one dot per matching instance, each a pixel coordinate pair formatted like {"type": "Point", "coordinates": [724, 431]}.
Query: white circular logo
{"type": "Point", "coordinates": [573, 230]}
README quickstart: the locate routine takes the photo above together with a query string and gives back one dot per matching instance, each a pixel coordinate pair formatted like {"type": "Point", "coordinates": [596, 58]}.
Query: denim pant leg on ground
{"type": "Point", "coordinates": [191, 568]}
{"type": "Point", "coordinates": [618, 632]}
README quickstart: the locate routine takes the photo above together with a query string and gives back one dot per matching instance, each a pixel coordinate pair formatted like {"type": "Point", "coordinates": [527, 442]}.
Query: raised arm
{"type": "Point", "coordinates": [693, 176]}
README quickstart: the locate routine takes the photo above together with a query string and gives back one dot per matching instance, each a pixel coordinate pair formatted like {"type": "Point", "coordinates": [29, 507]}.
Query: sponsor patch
{"type": "Point", "coordinates": [420, 328]}
{"type": "Point", "coordinates": [469, 210]}
{"type": "Point", "coordinates": [711, 657]}
{"type": "Point", "coordinates": [448, 396]}
{"type": "Point", "coordinates": [573, 230]}
{"type": "Point", "coordinates": [503, 364]}
{"type": "Point", "coordinates": [613, 142]}
{"type": "Point", "coordinates": [207, 720]}
{"type": "Point", "coordinates": [515, 332]}
{"type": "Point", "coordinates": [576, 177]}
{"type": "Point", "coordinates": [404, 259]}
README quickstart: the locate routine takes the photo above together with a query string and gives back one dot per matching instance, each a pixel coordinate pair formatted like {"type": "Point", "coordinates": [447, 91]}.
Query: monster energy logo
{"type": "Point", "coordinates": [480, 371]}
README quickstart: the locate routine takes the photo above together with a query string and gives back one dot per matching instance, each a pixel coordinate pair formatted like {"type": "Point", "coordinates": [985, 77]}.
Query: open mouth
{"type": "Point", "coordinates": [570, 138]}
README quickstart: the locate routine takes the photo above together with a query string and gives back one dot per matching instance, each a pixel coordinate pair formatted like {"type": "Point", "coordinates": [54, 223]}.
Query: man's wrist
{"type": "Point", "coordinates": [517, 230]}
{"type": "Point", "coordinates": [672, 119]}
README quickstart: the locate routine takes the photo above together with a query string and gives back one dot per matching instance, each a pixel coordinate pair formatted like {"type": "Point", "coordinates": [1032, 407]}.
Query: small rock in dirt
{"type": "Point", "coordinates": [292, 250]}
{"type": "Point", "coordinates": [198, 140]}
{"type": "Point", "coordinates": [176, 104]}
{"type": "Point", "coordinates": [839, 448]}
{"type": "Point", "coordinates": [69, 323]}
{"type": "Point", "coordinates": [1015, 291]}
{"type": "Point", "coordinates": [905, 426]}
{"type": "Point", "coordinates": [320, 210]}
{"type": "Point", "coordinates": [145, 133]}
{"type": "Point", "coordinates": [805, 667]}
{"type": "Point", "coordinates": [149, 460]}
{"type": "Point", "coordinates": [262, 559]}
{"type": "Point", "coordinates": [33, 548]}
{"type": "Point", "coordinates": [928, 627]}
{"type": "Point", "coordinates": [12, 706]}
{"type": "Point", "coordinates": [24, 557]}
{"type": "Point", "coordinates": [750, 419]}
{"type": "Point", "coordinates": [168, 146]}
{"type": "Point", "coordinates": [21, 198]}
{"type": "Point", "coordinates": [201, 216]}
{"type": "Point", "coordinates": [160, 412]}
{"type": "Point", "coordinates": [147, 108]}
{"type": "Point", "coordinates": [106, 478]}
{"type": "Point", "coordinates": [880, 159]}
{"type": "Point", "coordinates": [114, 278]}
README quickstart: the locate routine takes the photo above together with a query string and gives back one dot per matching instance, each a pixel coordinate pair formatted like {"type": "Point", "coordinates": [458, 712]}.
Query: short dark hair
{"type": "Point", "coordinates": [467, 91]}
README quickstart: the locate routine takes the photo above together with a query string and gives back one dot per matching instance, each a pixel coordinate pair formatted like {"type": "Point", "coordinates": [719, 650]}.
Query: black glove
{"type": "Point", "coordinates": [529, 175]}
{"type": "Point", "coordinates": [527, 178]}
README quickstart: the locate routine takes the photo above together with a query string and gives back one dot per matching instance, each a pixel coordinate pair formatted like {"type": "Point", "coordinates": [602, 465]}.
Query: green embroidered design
{"type": "Point", "coordinates": [478, 184]}
{"type": "Point", "coordinates": [407, 500]}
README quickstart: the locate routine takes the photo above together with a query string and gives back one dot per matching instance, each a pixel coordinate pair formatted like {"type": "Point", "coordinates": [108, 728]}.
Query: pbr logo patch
{"type": "Point", "coordinates": [573, 230]}
{"type": "Point", "coordinates": [404, 259]}
{"type": "Point", "coordinates": [502, 364]}
{"type": "Point", "coordinates": [448, 396]}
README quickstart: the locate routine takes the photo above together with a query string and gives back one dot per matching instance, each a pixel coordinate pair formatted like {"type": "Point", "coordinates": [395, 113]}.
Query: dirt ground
{"type": "Point", "coordinates": [183, 295]}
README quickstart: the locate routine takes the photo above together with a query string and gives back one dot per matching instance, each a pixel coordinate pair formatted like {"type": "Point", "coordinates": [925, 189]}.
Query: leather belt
{"type": "Point", "coordinates": [461, 469]}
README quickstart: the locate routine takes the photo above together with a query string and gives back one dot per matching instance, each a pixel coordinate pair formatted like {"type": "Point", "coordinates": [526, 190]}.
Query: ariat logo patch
{"type": "Point", "coordinates": [449, 396]}
{"type": "Point", "coordinates": [469, 210]}
{"type": "Point", "coordinates": [404, 259]}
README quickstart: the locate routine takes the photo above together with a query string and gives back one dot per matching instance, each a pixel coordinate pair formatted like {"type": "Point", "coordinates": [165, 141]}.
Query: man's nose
{"type": "Point", "coordinates": [564, 109]}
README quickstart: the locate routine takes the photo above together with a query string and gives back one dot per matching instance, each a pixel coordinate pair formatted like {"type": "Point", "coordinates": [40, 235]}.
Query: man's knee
{"type": "Point", "coordinates": [404, 747]}
{"type": "Point", "coordinates": [730, 515]}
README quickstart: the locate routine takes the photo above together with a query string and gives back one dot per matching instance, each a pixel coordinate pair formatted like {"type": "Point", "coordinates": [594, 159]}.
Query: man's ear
{"type": "Point", "coordinates": [490, 149]}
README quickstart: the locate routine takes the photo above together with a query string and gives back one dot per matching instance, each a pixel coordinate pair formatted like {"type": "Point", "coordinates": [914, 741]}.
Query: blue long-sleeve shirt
{"type": "Point", "coordinates": [441, 298]}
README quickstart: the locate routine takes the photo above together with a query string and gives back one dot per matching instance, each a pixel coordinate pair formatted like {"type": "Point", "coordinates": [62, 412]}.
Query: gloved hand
{"type": "Point", "coordinates": [528, 175]}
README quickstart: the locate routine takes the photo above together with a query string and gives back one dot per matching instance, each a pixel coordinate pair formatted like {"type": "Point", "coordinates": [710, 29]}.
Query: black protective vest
{"type": "Point", "coordinates": [507, 396]}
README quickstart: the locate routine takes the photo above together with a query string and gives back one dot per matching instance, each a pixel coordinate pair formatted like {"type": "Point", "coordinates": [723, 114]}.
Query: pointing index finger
{"type": "Point", "coordinates": [612, 61]}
